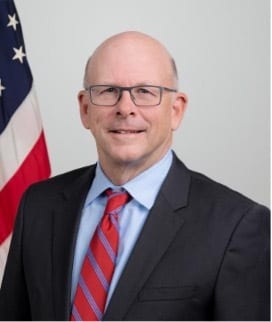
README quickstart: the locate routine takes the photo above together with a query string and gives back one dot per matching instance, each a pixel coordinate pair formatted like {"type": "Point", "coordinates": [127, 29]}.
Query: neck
{"type": "Point", "coordinates": [121, 173]}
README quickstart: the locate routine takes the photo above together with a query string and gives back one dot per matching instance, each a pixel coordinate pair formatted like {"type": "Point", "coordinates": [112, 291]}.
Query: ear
{"type": "Point", "coordinates": [83, 100]}
{"type": "Point", "coordinates": [178, 109]}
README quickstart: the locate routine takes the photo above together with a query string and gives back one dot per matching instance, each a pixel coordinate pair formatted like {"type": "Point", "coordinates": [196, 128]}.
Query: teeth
{"type": "Point", "coordinates": [124, 131]}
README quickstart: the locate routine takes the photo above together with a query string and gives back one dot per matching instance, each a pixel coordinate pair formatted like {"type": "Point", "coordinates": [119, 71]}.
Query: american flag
{"type": "Point", "coordinates": [23, 154]}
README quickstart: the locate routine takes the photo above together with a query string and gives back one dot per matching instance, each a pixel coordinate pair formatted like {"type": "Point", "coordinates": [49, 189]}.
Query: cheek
{"type": "Point", "coordinates": [97, 123]}
{"type": "Point", "coordinates": [94, 125]}
{"type": "Point", "coordinates": [164, 123]}
{"type": "Point", "coordinates": [158, 120]}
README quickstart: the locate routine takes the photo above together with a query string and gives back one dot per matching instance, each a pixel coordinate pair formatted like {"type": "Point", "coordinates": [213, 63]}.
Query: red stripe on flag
{"type": "Point", "coordinates": [34, 168]}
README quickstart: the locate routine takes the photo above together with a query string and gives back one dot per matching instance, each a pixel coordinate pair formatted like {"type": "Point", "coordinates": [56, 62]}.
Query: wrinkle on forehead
{"type": "Point", "coordinates": [127, 43]}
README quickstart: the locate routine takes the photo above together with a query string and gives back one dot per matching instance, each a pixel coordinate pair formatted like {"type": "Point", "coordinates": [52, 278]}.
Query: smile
{"type": "Point", "coordinates": [121, 131]}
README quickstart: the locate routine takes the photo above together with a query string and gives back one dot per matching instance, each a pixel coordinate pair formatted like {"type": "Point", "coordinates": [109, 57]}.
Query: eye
{"type": "Point", "coordinates": [144, 91]}
{"type": "Point", "coordinates": [109, 89]}
{"type": "Point", "coordinates": [100, 90]}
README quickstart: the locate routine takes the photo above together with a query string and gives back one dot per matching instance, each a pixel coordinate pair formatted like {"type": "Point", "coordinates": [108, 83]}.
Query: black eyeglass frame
{"type": "Point", "coordinates": [129, 89]}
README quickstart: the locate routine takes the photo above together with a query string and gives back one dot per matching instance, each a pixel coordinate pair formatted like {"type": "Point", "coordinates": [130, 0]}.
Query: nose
{"type": "Point", "coordinates": [125, 105]}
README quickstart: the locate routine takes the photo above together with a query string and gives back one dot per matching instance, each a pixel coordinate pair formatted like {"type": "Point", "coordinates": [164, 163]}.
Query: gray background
{"type": "Point", "coordinates": [222, 52]}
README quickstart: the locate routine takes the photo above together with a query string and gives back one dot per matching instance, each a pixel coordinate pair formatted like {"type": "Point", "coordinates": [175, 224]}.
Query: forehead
{"type": "Point", "coordinates": [130, 60]}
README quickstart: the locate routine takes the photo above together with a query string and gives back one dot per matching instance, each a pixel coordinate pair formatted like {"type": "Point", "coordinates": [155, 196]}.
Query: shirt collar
{"type": "Point", "coordinates": [143, 188]}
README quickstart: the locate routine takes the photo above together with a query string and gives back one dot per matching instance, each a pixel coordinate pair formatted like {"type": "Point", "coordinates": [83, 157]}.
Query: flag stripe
{"type": "Point", "coordinates": [19, 137]}
{"type": "Point", "coordinates": [4, 247]}
{"type": "Point", "coordinates": [34, 167]}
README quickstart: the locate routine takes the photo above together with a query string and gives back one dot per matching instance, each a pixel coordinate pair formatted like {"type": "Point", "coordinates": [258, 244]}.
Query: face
{"type": "Point", "coordinates": [127, 135]}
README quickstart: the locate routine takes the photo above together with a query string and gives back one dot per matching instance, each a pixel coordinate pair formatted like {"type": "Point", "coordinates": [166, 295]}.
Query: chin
{"type": "Point", "coordinates": [128, 157]}
{"type": "Point", "coordinates": [127, 160]}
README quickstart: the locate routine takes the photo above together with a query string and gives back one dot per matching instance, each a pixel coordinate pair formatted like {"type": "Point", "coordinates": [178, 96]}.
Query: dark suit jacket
{"type": "Point", "coordinates": [203, 254]}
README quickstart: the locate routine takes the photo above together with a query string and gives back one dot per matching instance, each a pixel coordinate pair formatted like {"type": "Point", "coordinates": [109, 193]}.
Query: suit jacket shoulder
{"type": "Point", "coordinates": [65, 180]}
{"type": "Point", "coordinates": [183, 182]}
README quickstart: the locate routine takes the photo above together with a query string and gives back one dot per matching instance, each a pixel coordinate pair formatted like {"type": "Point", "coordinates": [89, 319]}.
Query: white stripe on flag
{"type": "Point", "coordinates": [4, 247]}
{"type": "Point", "coordinates": [19, 137]}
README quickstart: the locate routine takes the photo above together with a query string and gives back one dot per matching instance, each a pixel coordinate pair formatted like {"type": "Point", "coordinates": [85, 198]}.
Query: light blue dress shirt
{"type": "Point", "coordinates": [143, 189]}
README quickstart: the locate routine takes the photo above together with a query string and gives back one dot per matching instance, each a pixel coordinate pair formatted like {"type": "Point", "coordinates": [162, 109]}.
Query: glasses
{"type": "Point", "coordinates": [107, 95]}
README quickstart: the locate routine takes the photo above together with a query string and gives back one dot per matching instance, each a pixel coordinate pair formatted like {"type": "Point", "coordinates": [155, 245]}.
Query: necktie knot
{"type": "Point", "coordinates": [116, 201]}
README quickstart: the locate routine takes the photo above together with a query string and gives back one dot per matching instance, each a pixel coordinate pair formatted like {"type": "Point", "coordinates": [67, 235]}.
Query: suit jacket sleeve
{"type": "Point", "coordinates": [243, 286]}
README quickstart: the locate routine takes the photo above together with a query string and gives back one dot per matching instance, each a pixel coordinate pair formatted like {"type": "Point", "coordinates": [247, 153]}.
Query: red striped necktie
{"type": "Point", "coordinates": [98, 266]}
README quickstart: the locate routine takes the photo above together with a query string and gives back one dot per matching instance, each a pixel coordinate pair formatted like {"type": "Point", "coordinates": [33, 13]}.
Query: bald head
{"type": "Point", "coordinates": [132, 52]}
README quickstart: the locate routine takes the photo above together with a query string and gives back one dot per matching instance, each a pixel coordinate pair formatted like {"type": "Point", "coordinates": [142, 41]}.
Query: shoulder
{"type": "Point", "coordinates": [209, 193]}
{"type": "Point", "coordinates": [63, 181]}
{"type": "Point", "coordinates": [219, 193]}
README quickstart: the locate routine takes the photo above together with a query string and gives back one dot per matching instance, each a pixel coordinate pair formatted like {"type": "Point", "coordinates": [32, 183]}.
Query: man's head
{"type": "Point", "coordinates": [128, 136]}
{"type": "Point", "coordinates": [130, 38]}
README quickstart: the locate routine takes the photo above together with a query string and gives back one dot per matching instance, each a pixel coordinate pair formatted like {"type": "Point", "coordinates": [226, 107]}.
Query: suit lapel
{"type": "Point", "coordinates": [66, 219]}
{"type": "Point", "coordinates": [164, 221]}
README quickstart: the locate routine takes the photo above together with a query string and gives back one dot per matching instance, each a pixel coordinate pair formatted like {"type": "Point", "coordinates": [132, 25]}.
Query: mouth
{"type": "Point", "coordinates": [126, 131]}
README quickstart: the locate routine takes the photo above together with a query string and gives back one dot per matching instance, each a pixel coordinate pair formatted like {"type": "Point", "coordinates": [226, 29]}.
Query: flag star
{"type": "Point", "coordinates": [19, 54]}
{"type": "Point", "coordinates": [2, 88]}
{"type": "Point", "coordinates": [12, 21]}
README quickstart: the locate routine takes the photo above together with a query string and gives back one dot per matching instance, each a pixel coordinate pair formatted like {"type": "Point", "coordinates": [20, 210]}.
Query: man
{"type": "Point", "coordinates": [188, 248]}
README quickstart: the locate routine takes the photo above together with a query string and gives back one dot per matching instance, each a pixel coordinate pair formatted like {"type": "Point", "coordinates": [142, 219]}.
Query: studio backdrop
{"type": "Point", "coordinates": [221, 48]}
